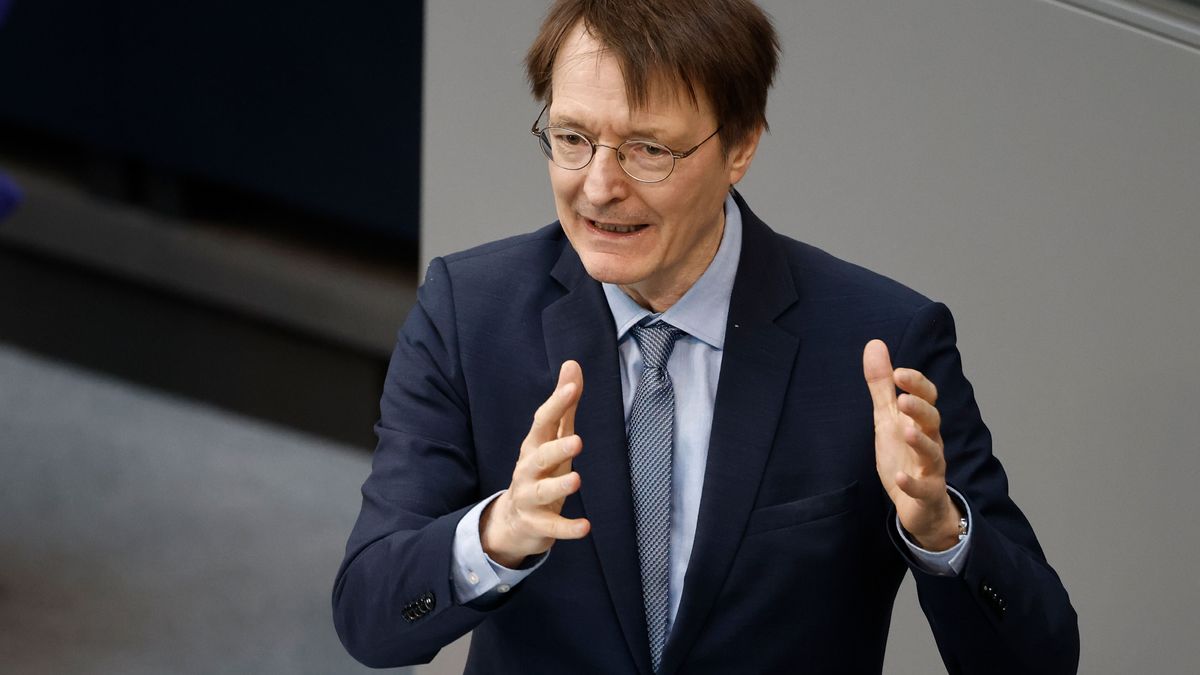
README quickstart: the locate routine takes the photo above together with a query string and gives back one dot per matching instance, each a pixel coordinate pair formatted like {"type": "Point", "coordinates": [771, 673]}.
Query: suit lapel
{"type": "Point", "coordinates": [579, 326]}
{"type": "Point", "coordinates": [756, 367]}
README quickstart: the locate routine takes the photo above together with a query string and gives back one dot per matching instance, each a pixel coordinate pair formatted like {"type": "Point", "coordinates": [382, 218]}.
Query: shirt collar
{"type": "Point", "coordinates": [703, 310]}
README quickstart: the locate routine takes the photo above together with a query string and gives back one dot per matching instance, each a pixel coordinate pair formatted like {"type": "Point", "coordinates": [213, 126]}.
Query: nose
{"type": "Point", "coordinates": [606, 182]}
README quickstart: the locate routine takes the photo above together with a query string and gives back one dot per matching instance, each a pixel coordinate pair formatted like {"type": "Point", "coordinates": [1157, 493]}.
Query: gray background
{"type": "Point", "coordinates": [1033, 165]}
{"type": "Point", "coordinates": [146, 534]}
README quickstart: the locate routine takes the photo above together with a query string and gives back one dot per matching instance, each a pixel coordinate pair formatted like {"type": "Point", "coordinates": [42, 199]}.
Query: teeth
{"type": "Point", "coordinates": [619, 229]}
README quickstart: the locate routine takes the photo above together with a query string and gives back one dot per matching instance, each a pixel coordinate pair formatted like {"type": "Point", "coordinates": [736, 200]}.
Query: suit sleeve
{"type": "Point", "coordinates": [1007, 612]}
{"type": "Point", "coordinates": [392, 600]}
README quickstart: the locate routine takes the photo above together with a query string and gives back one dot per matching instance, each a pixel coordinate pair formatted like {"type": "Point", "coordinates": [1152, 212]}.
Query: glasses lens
{"type": "Point", "coordinates": [645, 161]}
{"type": "Point", "coordinates": [566, 148]}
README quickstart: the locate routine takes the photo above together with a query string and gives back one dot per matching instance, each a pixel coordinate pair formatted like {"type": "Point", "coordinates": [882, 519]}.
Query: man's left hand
{"type": "Point", "coordinates": [909, 454]}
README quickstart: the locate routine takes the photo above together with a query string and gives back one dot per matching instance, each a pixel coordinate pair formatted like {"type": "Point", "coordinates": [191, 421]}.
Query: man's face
{"type": "Point", "coordinates": [652, 239]}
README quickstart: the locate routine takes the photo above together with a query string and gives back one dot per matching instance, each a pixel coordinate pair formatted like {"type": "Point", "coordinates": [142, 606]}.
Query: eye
{"type": "Point", "coordinates": [644, 151]}
{"type": "Point", "coordinates": [652, 151]}
{"type": "Point", "coordinates": [569, 138]}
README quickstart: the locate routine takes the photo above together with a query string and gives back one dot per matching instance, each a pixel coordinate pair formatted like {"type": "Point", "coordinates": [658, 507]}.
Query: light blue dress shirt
{"type": "Point", "coordinates": [694, 366]}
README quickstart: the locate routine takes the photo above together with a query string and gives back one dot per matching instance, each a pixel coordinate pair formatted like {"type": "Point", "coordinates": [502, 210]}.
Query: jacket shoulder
{"type": "Point", "coordinates": [821, 276]}
{"type": "Point", "coordinates": [501, 280]}
{"type": "Point", "coordinates": [543, 244]}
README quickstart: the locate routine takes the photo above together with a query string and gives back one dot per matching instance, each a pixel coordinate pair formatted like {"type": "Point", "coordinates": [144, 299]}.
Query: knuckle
{"type": "Point", "coordinates": [547, 455]}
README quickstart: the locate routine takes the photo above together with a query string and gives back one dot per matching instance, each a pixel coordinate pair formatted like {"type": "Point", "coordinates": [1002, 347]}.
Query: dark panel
{"type": "Point", "coordinates": [155, 339]}
{"type": "Point", "coordinates": [315, 103]}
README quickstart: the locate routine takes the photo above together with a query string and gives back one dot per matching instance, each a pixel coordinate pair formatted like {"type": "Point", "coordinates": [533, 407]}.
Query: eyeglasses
{"type": "Point", "coordinates": [643, 161]}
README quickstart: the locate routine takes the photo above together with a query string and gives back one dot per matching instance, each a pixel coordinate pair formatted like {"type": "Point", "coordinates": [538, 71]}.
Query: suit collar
{"type": "Point", "coordinates": [756, 369]}
{"type": "Point", "coordinates": [579, 326]}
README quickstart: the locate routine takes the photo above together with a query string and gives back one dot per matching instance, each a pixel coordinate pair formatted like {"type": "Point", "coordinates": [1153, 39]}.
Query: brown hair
{"type": "Point", "coordinates": [726, 49]}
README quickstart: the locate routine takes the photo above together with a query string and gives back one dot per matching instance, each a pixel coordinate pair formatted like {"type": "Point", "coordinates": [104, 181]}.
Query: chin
{"type": "Point", "coordinates": [607, 271]}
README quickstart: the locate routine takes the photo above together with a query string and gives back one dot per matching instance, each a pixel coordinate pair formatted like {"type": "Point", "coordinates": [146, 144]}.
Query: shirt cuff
{"type": "Point", "coordinates": [474, 573]}
{"type": "Point", "coordinates": [948, 563]}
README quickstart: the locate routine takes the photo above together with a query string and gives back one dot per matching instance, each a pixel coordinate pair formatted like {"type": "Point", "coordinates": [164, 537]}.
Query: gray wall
{"type": "Point", "coordinates": [1032, 165]}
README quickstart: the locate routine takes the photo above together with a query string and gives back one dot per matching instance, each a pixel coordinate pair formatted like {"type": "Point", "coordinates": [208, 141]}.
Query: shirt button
{"type": "Point", "coordinates": [503, 588]}
{"type": "Point", "coordinates": [473, 578]}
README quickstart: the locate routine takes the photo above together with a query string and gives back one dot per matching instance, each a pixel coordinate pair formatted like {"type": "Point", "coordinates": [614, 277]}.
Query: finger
{"type": "Point", "coordinates": [547, 458]}
{"type": "Point", "coordinates": [921, 412]}
{"type": "Point", "coordinates": [924, 490]}
{"type": "Point", "coordinates": [877, 369]}
{"type": "Point", "coordinates": [570, 372]}
{"type": "Point", "coordinates": [915, 383]}
{"type": "Point", "coordinates": [549, 414]}
{"type": "Point", "coordinates": [551, 490]}
{"type": "Point", "coordinates": [555, 526]}
{"type": "Point", "coordinates": [926, 448]}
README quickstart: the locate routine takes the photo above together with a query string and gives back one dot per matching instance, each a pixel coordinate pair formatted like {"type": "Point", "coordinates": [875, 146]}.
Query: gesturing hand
{"type": "Point", "coordinates": [909, 454]}
{"type": "Point", "coordinates": [526, 519]}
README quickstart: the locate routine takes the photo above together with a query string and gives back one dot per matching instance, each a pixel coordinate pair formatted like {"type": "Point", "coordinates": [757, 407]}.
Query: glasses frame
{"type": "Point", "coordinates": [675, 155]}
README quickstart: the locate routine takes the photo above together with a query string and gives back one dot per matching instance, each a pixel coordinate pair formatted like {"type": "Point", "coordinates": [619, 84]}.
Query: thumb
{"type": "Point", "coordinates": [570, 372]}
{"type": "Point", "coordinates": [877, 369]}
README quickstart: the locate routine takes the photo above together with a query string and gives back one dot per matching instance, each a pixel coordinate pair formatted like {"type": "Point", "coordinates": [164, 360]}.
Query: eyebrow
{"type": "Point", "coordinates": [646, 133]}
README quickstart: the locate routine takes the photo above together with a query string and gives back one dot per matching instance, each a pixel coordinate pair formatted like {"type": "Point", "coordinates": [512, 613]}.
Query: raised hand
{"type": "Point", "coordinates": [909, 454]}
{"type": "Point", "coordinates": [526, 519]}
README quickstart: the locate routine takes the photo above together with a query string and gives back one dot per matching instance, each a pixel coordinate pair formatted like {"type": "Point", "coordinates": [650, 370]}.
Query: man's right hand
{"type": "Point", "coordinates": [526, 519]}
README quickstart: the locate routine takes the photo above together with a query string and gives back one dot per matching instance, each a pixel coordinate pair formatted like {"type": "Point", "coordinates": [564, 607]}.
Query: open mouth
{"type": "Point", "coordinates": [616, 228]}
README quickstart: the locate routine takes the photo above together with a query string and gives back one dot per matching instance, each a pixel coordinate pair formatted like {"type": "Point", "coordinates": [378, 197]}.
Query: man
{"type": "Point", "coordinates": [723, 478]}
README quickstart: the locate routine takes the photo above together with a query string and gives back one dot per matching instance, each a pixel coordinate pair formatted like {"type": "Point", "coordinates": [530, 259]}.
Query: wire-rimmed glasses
{"type": "Point", "coordinates": [643, 161]}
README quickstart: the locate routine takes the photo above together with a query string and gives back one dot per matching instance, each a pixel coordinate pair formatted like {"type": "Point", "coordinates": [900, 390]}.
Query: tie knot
{"type": "Point", "coordinates": [656, 342]}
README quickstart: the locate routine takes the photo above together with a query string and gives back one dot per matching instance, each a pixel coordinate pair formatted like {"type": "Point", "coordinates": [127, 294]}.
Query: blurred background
{"type": "Point", "coordinates": [219, 213]}
{"type": "Point", "coordinates": [216, 240]}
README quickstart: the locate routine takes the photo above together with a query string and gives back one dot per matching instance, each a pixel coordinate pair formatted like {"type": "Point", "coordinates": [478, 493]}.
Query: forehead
{"type": "Point", "coordinates": [588, 88]}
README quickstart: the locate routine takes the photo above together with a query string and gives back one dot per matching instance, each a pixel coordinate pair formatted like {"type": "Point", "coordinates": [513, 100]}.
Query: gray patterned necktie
{"type": "Point", "coordinates": [650, 431]}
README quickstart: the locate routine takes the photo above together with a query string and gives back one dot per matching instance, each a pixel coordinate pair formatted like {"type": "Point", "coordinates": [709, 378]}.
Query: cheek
{"type": "Point", "coordinates": [678, 212]}
{"type": "Point", "coordinates": [566, 197]}
{"type": "Point", "coordinates": [564, 182]}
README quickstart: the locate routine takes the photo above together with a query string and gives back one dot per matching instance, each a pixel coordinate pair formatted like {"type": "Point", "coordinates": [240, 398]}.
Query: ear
{"type": "Point", "coordinates": [740, 155]}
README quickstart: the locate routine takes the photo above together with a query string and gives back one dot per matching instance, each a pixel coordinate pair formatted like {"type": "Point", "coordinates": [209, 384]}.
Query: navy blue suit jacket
{"type": "Point", "coordinates": [794, 567]}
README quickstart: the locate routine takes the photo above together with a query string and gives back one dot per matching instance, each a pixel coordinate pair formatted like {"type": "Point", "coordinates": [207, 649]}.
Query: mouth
{"type": "Point", "coordinates": [615, 228]}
